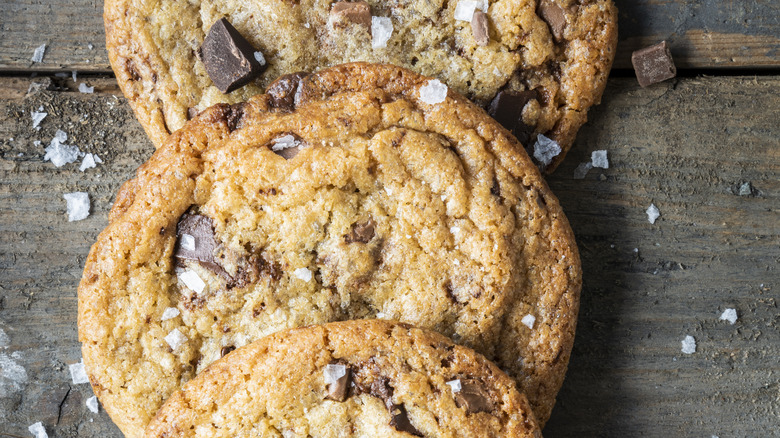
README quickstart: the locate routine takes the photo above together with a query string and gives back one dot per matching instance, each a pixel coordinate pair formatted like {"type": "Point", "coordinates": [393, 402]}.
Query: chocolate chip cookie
{"type": "Point", "coordinates": [362, 191]}
{"type": "Point", "coordinates": [356, 378]}
{"type": "Point", "coordinates": [537, 66]}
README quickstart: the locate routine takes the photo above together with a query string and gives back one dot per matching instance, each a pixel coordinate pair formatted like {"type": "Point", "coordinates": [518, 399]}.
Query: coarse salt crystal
{"type": "Point", "coordinates": [169, 313]}
{"type": "Point", "coordinates": [77, 205]}
{"type": "Point", "coordinates": [689, 345]}
{"type": "Point", "coordinates": [652, 213]}
{"type": "Point", "coordinates": [192, 280]}
{"type": "Point", "coordinates": [38, 430]}
{"type": "Point", "coordinates": [381, 30]}
{"type": "Point", "coordinates": [90, 46]}
{"type": "Point", "coordinates": [545, 149]}
{"type": "Point", "coordinates": [528, 321]}
{"type": "Point", "coordinates": [454, 230]}
{"type": "Point", "coordinates": [83, 88]}
{"type": "Point", "coordinates": [599, 159]}
{"type": "Point", "coordinates": [433, 92]}
{"type": "Point", "coordinates": [73, 75]}
{"type": "Point", "coordinates": [333, 372]}
{"type": "Point", "coordinates": [260, 58]}
{"type": "Point", "coordinates": [92, 404]}
{"type": "Point", "coordinates": [455, 385]}
{"type": "Point", "coordinates": [188, 242]}
{"type": "Point", "coordinates": [582, 170]}
{"type": "Point", "coordinates": [175, 339]}
{"type": "Point", "coordinates": [37, 118]}
{"type": "Point", "coordinates": [729, 315]}
{"type": "Point", "coordinates": [78, 373]}
{"type": "Point", "coordinates": [38, 53]}
{"type": "Point", "coordinates": [465, 9]}
{"type": "Point", "coordinates": [59, 153]}
{"type": "Point", "coordinates": [303, 274]}
{"type": "Point", "coordinates": [89, 162]}
{"type": "Point", "coordinates": [288, 141]}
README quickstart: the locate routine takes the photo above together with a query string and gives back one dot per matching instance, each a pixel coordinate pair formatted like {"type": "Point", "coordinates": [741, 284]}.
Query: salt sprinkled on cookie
{"type": "Point", "coordinates": [528, 321]}
{"type": "Point", "coordinates": [175, 339]}
{"type": "Point", "coordinates": [38, 430]}
{"type": "Point", "coordinates": [433, 92]}
{"type": "Point", "coordinates": [78, 373]}
{"type": "Point", "coordinates": [689, 345]}
{"type": "Point", "coordinates": [92, 404]}
{"type": "Point", "coordinates": [169, 313]}
{"type": "Point", "coordinates": [381, 30]}
{"type": "Point", "coordinates": [38, 57]}
{"type": "Point", "coordinates": [192, 280]}
{"type": "Point", "coordinates": [652, 213]}
{"type": "Point", "coordinates": [281, 143]}
{"type": "Point", "coordinates": [545, 149]}
{"type": "Point", "coordinates": [729, 315]}
{"type": "Point", "coordinates": [599, 159]}
{"type": "Point", "coordinates": [77, 205]}
{"type": "Point", "coordinates": [260, 58]}
{"type": "Point", "coordinates": [465, 9]}
{"type": "Point", "coordinates": [188, 242]}
{"type": "Point", "coordinates": [455, 385]}
{"type": "Point", "coordinates": [333, 372]}
{"type": "Point", "coordinates": [303, 274]}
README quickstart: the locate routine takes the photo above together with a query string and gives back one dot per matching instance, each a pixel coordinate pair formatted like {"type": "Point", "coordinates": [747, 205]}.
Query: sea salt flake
{"type": "Point", "coordinates": [37, 118]}
{"type": "Point", "coordinates": [259, 58]}
{"type": "Point", "coordinates": [333, 372]}
{"type": "Point", "coordinates": [746, 189]}
{"type": "Point", "coordinates": [582, 170]}
{"type": "Point", "coordinates": [286, 142]}
{"type": "Point", "coordinates": [169, 313]}
{"type": "Point", "coordinates": [83, 88]}
{"type": "Point", "coordinates": [303, 274]}
{"type": "Point", "coordinates": [60, 153]}
{"type": "Point", "coordinates": [652, 213]}
{"type": "Point", "coordinates": [188, 242]}
{"type": "Point", "coordinates": [38, 53]}
{"type": "Point", "coordinates": [88, 162]}
{"type": "Point", "coordinates": [192, 280]}
{"type": "Point", "coordinates": [92, 404]}
{"type": "Point", "coordinates": [545, 149]}
{"type": "Point", "coordinates": [528, 321]}
{"type": "Point", "coordinates": [599, 159]}
{"type": "Point", "coordinates": [90, 46]}
{"type": "Point", "coordinates": [729, 315]}
{"type": "Point", "coordinates": [175, 339]}
{"type": "Point", "coordinates": [78, 373]}
{"type": "Point", "coordinates": [465, 9]}
{"type": "Point", "coordinates": [77, 205]}
{"type": "Point", "coordinates": [689, 345]}
{"type": "Point", "coordinates": [433, 92]}
{"type": "Point", "coordinates": [381, 30]}
{"type": "Point", "coordinates": [38, 430]}
{"type": "Point", "coordinates": [455, 385]}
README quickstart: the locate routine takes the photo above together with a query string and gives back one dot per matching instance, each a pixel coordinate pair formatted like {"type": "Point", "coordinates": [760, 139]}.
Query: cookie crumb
{"type": "Point", "coordinates": [599, 159]}
{"type": "Point", "coordinates": [175, 339]}
{"type": "Point", "coordinates": [77, 205]}
{"type": "Point", "coordinates": [38, 57]}
{"type": "Point", "coordinates": [38, 430]}
{"type": "Point", "coordinates": [433, 92]}
{"type": "Point", "coordinates": [192, 280]}
{"type": "Point", "coordinates": [83, 88]}
{"type": "Point", "coordinates": [303, 274]}
{"type": "Point", "coordinates": [545, 149]}
{"type": "Point", "coordinates": [381, 30]}
{"type": "Point", "coordinates": [455, 385]}
{"type": "Point", "coordinates": [689, 345]}
{"type": "Point", "coordinates": [652, 213]}
{"type": "Point", "coordinates": [78, 373]}
{"type": "Point", "coordinates": [169, 313]}
{"type": "Point", "coordinates": [729, 315]}
{"type": "Point", "coordinates": [528, 321]}
{"type": "Point", "coordinates": [92, 404]}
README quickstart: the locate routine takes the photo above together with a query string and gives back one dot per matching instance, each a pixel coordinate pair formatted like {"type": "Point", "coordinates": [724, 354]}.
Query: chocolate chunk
{"type": "Point", "coordinates": [362, 233]}
{"type": "Point", "coordinates": [202, 251]}
{"type": "Point", "coordinates": [338, 391]}
{"type": "Point", "coordinates": [192, 113]}
{"type": "Point", "coordinates": [228, 57]}
{"type": "Point", "coordinates": [283, 90]}
{"type": "Point", "coordinates": [473, 397]}
{"type": "Point", "coordinates": [380, 388]}
{"type": "Point", "coordinates": [507, 109]}
{"type": "Point", "coordinates": [555, 17]}
{"type": "Point", "coordinates": [479, 28]}
{"type": "Point", "coordinates": [289, 153]}
{"type": "Point", "coordinates": [653, 64]}
{"type": "Point", "coordinates": [226, 350]}
{"type": "Point", "coordinates": [234, 116]}
{"type": "Point", "coordinates": [355, 12]}
{"type": "Point", "coordinates": [399, 419]}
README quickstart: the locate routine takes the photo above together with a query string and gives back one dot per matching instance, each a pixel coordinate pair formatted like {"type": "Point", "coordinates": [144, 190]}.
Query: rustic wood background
{"type": "Point", "coordinates": [688, 145]}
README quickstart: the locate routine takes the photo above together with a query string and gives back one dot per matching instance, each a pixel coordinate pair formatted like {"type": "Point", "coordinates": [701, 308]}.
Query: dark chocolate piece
{"type": "Point", "coordinates": [399, 419]}
{"type": "Point", "coordinates": [653, 64]}
{"type": "Point", "coordinates": [555, 17]}
{"type": "Point", "coordinates": [362, 233]}
{"type": "Point", "coordinates": [479, 28]}
{"type": "Point", "coordinates": [473, 397]}
{"type": "Point", "coordinates": [355, 12]}
{"type": "Point", "coordinates": [226, 350]}
{"type": "Point", "coordinates": [202, 229]}
{"type": "Point", "coordinates": [338, 391]}
{"type": "Point", "coordinates": [289, 153]}
{"type": "Point", "coordinates": [228, 57]}
{"type": "Point", "coordinates": [192, 113]}
{"type": "Point", "coordinates": [507, 109]}
{"type": "Point", "coordinates": [283, 90]}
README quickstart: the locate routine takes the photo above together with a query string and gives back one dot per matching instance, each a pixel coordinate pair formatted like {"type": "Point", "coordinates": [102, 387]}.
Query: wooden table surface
{"type": "Point", "coordinates": [704, 148]}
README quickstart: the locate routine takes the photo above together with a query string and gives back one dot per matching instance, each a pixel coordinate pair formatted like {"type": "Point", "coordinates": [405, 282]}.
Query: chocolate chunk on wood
{"type": "Point", "coordinates": [283, 90]}
{"type": "Point", "coordinates": [479, 28]}
{"type": "Point", "coordinates": [473, 397]}
{"type": "Point", "coordinates": [653, 64]}
{"type": "Point", "coordinates": [228, 57]}
{"type": "Point", "coordinates": [507, 109]}
{"type": "Point", "coordinates": [197, 242]}
{"type": "Point", "coordinates": [355, 12]}
{"type": "Point", "coordinates": [555, 17]}
{"type": "Point", "coordinates": [362, 233]}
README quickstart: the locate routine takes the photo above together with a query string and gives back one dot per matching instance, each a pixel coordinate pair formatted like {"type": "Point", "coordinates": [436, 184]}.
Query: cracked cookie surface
{"type": "Point", "coordinates": [355, 199]}
{"type": "Point", "coordinates": [367, 378]}
{"type": "Point", "coordinates": [561, 50]}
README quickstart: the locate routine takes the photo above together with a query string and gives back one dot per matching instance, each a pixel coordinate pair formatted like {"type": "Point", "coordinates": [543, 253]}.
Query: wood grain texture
{"type": "Point", "coordinates": [687, 146]}
{"type": "Point", "coordinates": [702, 34]}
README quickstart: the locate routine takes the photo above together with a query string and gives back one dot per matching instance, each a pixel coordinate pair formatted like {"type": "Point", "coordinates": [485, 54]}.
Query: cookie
{"type": "Point", "coordinates": [551, 58]}
{"type": "Point", "coordinates": [355, 378]}
{"type": "Point", "coordinates": [373, 193]}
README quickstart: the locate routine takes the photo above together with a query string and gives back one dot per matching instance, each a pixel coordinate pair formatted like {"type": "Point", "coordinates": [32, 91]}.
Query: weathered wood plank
{"type": "Point", "coordinates": [703, 34]}
{"type": "Point", "coordinates": [686, 146]}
